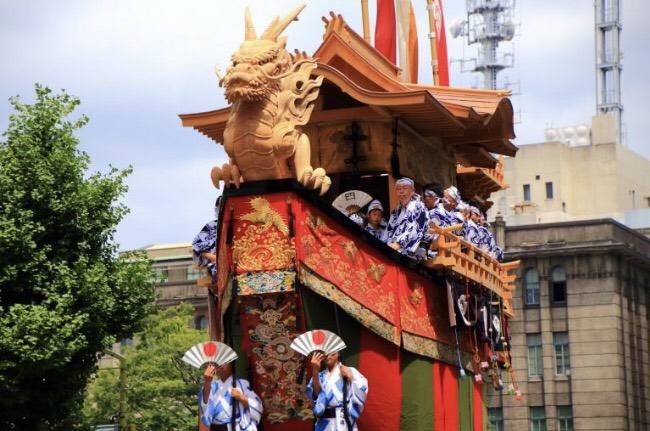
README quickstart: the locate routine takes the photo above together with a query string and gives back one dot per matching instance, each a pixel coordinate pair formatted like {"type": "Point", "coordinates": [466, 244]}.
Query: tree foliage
{"type": "Point", "coordinates": [64, 292]}
{"type": "Point", "coordinates": [162, 391]}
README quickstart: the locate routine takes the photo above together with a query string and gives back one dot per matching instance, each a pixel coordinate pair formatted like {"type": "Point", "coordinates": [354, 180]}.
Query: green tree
{"type": "Point", "coordinates": [64, 292]}
{"type": "Point", "coordinates": [162, 390]}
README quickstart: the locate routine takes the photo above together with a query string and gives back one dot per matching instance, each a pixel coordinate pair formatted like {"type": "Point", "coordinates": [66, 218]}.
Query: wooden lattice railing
{"type": "Point", "coordinates": [468, 261]}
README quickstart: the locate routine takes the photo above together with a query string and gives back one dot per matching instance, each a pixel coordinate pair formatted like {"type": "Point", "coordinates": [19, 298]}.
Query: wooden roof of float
{"type": "Point", "coordinates": [476, 122]}
{"type": "Point", "coordinates": [476, 184]}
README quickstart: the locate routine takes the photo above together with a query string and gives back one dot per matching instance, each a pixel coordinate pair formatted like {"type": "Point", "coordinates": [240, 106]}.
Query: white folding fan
{"type": "Point", "coordinates": [209, 351]}
{"type": "Point", "coordinates": [351, 201]}
{"type": "Point", "coordinates": [318, 340]}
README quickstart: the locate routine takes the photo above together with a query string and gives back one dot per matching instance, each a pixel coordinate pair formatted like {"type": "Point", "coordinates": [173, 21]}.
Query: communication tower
{"type": "Point", "coordinates": [608, 61]}
{"type": "Point", "coordinates": [489, 23]}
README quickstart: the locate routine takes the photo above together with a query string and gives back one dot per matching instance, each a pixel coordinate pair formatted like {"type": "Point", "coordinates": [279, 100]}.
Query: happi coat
{"type": "Point", "coordinates": [407, 226]}
{"type": "Point", "coordinates": [218, 407]}
{"type": "Point", "coordinates": [379, 233]}
{"type": "Point", "coordinates": [205, 241]}
{"type": "Point", "coordinates": [331, 397]}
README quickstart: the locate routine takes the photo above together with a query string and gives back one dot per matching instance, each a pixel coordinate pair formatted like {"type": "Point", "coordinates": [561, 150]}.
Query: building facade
{"type": "Point", "coordinates": [579, 173]}
{"type": "Point", "coordinates": [173, 264]}
{"type": "Point", "coordinates": [580, 334]}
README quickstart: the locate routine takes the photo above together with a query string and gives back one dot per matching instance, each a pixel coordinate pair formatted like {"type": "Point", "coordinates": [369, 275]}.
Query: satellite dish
{"type": "Point", "coordinates": [551, 135]}
{"type": "Point", "coordinates": [582, 131]}
{"type": "Point", "coordinates": [569, 132]}
{"type": "Point", "coordinates": [351, 201]}
{"type": "Point", "coordinates": [456, 29]}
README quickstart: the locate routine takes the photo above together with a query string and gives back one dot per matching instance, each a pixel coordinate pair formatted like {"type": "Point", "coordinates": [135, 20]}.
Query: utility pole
{"type": "Point", "coordinates": [122, 421]}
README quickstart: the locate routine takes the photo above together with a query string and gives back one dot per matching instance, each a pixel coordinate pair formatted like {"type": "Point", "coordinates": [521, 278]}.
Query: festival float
{"type": "Point", "coordinates": [301, 131]}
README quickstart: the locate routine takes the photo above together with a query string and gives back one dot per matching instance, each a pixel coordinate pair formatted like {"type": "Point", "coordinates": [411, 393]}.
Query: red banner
{"type": "Point", "coordinates": [386, 30]}
{"type": "Point", "coordinates": [441, 44]}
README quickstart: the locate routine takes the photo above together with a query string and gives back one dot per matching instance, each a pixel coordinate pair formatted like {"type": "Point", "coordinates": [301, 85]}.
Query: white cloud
{"type": "Point", "coordinates": [136, 64]}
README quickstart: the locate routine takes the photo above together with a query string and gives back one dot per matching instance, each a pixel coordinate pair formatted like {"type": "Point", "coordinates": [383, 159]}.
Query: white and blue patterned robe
{"type": "Point", "coordinates": [407, 226]}
{"type": "Point", "coordinates": [455, 217]}
{"type": "Point", "coordinates": [205, 241]}
{"type": "Point", "coordinates": [484, 238]}
{"type": "Point", "coordinates": [356, 218]}
{"type": "Point", "coordinates": [438, 215]}
{"type": "Point", "coordinates": [331, 397]}
{"type": "Point", "coordinates": [471, 232]}
{"type": "Point", "coordinates": [380, 233]}
{"type": "Point", "coordinates": [492, 248]}
{"type": "Point", "coordinates": [218, 409]}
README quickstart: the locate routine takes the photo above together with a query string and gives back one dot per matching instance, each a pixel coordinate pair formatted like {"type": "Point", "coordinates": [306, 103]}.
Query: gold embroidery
{"type": "Point", "coordinates": [261, 248]}
{"type": "Point", "coordinates": [363, 315]}
{"type": "Point", "coordinates": [350, 249]}
{"type": "Point", "coordinates": [416, 296]}
{"type": "Point", "coordinates": [435, 349]}
{"type": "Point", "coordinates": [320, 253]}
{"type": "Point", "coordinates": [263, 213]}
{"type": "Point", "coordinates": [376, 271]}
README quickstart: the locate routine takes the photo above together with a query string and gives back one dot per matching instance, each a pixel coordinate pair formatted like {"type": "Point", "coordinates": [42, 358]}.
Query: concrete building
{"type": "Point", "coordinates": [173, 262]}
{"type": "Point", "coordinates": [579, 173]}
{"type": "Point", "coordinates": [580, 334]}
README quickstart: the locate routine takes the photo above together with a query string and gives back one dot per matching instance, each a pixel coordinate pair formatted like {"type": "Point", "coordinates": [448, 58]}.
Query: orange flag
{"type": "Point", "coordinates": [407, 40]}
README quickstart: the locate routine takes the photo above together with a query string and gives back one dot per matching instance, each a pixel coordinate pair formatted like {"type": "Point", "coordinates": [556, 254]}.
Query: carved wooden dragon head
{"type": "Point", "coordinates": [260, 63]}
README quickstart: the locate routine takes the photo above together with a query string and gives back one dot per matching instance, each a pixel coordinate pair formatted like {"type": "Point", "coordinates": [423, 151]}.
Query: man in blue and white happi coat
{"type": "Point", "coordinates": [471, 229]}
{"type": "Point", "coordinates": [204, 246]}
{"type": "Point", "coordinates": [484, 234]}
{"type": "Point", "coordinates": [221, 396]}
{"type": "Point", "coordinates": [437, 212]}
{"type": "Point", "coordinates": [339, 393]}
{"type": "Point", "coordinates": [452, 203]}
{"type": "Point", "coordinates": [408, 222]}
{"type": "Point", "coordinates": [376, 225]}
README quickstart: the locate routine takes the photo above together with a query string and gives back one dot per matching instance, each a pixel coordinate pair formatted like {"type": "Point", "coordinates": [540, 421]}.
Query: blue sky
{"type": "Point", "coordinates": [137, 64]}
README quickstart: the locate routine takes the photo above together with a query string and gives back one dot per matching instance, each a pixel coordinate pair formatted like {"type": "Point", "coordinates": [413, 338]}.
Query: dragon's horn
{"type": "Point", "coordinates": [277, 26]}
{"type": "Point", "coordinates": [250, 27]}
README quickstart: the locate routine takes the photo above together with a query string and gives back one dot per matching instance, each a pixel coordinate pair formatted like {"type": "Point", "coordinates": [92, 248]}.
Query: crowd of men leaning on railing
{"type": "Point", "coordinates": [408, 229]}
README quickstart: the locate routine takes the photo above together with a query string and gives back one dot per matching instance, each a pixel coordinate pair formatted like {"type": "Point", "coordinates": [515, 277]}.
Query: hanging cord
{"type": "Point", "coordinates": [346, 413]}
{"type": "Point", "coordinates": [461, 370]}
{"type": "Point", "coordinates": [233, 403]}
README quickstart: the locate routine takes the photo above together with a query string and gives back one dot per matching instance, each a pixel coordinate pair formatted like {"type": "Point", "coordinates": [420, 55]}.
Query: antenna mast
{"type": "Point", "coordinates": [608, 61]}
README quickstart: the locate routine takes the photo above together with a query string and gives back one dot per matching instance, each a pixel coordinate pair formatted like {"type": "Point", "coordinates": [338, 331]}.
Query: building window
{"type": "Point", "coordinates": [537, 419]}
{"type": "Point", "coordinates": [549, 190]}
{"type": "Point", "coordinates": [526, 192]}
{"type": "Point", "coordinates": [200, 322]}
{"type": "Point", "coordinates": [562, 361]}
{"type": "Point", "coordinates": [534, 342]}
{"type": "Point", "coordinates": [558, 284]}
{"type": "Point", "coordinates": [531, 287]}
{"type": "Point", "coordinates": [564, 418]}
{"type": "Point", "coordinates": [194, 272]}
{"type": "Point", "coordinates": [163, 274]}
{"type": "Point", "coordinates": [496, 418]}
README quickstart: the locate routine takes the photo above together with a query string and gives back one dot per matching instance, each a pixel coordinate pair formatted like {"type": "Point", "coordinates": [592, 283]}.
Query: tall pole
{"type": "Point", "coordinates": [366, 24]}
{"type": "Point", "coordinates": [122, 406]}
{"type": "Point", "coordinates": [432, 39]}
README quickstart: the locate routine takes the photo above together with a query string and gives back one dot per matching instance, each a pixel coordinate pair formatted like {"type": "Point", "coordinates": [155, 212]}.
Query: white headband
{"type": "Point", "coordinates": [375, 205]}
{"type": "Point", "coordinates": [404, 181]}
